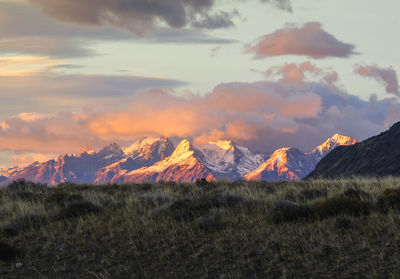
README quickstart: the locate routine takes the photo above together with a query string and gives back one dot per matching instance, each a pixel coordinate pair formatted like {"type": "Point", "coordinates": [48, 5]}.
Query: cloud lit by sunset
{"type": "Point", "coordinates": [89, 73]}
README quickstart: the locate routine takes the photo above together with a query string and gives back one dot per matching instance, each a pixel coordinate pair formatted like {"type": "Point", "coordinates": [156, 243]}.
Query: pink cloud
{"type": "Point", "coordinates": [386, 76]}
{"type": "Point", "coordinates": [228, 109]}
{"type": "Point", "coordinates": [308, 40]}
{"type": "Point", "coordinates": [261, 115]}
{"type": "Point", "coordinates": [293, 73]}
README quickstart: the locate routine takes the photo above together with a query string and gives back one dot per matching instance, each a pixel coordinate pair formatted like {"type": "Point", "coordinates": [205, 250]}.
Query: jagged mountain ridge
{"type": "Point", "coordinates": [156, 159]}
{"type": "Point", "coordinates": [142, 153]}
{"type": "Point", "coordinates": [80, 168]}
{"type": "Point", "coordinates": [292, 164]}
{"type": "Point", "coordinates": [376, 156]}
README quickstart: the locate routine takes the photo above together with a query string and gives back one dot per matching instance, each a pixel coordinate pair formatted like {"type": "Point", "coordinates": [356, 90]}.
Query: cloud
{"type": "Point", "coordinates": [386, 76]}
{"type": "Point", "coordinates": [25, 31]}
{"type": "Point", "coordinates": [293, 73]}
{"type": "Point", "coordinates": [159, 112]}
{"type": "Point", "coordinates": [29, 158]}
{"type": "Point", "coordinates": [308, 40]}
{"type": "Point", "coordinates": [138, 16]}
{"type": "Point", "coordinates": [37, 82]}
{"type": "Point", "coordinates": [215, 51]}
{"type": "Point", "coordinates": [54, 47]}
{"type": "Point", "coordinates": [281, 4]}
{"type": "Point", "coordinates": [263, 115]}
{"type": "Point", "coordinates": [142, 16]}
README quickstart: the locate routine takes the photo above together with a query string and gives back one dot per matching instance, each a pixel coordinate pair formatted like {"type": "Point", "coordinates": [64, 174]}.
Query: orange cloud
{"type": "Point", "coordinates": [235, 110]}
{"type": "Point", "coordinates": [29, 158]}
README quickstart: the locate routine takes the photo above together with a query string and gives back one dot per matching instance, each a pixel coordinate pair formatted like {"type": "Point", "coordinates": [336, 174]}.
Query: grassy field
{"type": "Point", "coordinates": [305, 229]}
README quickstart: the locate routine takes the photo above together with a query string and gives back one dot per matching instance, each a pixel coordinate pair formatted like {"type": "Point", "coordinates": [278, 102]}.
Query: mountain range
{"type": "Point", "coordinates": [376, 156]}
{"type": "Point", "coordinates": [157, 159]}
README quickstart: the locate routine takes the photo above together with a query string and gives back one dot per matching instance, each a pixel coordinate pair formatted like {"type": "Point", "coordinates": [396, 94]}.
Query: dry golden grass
{"type": "Point", "coordinates": [205, 230]}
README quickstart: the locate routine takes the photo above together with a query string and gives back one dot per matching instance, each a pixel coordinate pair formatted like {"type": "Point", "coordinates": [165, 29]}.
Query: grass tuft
{"type": "Point", "coordinates": [77, 209]}
{"type": "Point", "coordinates": [16, 226]}
{"type": "Point", "coordinates": [341, 205]}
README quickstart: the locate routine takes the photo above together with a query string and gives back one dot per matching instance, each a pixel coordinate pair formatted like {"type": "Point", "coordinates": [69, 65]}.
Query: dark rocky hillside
{"type": "Point", "coordinates": [376, 156]}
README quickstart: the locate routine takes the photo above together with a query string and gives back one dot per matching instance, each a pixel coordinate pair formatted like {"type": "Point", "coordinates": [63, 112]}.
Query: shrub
{"type": "Point", "coordinates": [77, 209]}
{"type": "Point", "coordinates": [341, 205]}
{"type": "Point", "coordinates": [390, 198]}
{"type": "Point", "coordinates": [23, 195]}
{"type": "Point", "coordinates": [17, 225]}
{"type": "Point", "coordinates": [184, 210]}
{"type": "Point", "coordinates": [155, 198]}
{"type": "Point", "coordinates": [290, 194]}
{"type": "Point", "coordinates": [202, 182]}
{"type": "Point", "coordinates": [343, 223]}
{"type": "Point", "coordinates": [61, 199]}
{"type": "Point", "coordinates": [7, 252]}
{"type": "Point", "coordinates": [224, 200]}
{"type": "Point", "coordinates": [357, 194]}
{"type": "Point", "coordinates": [67, 184]}
{"type": "Point", "coordinates": [311, 194]}
{"type": "Point", "coordinates": [23, 185]}
{"type": "Point", "coordinates": [287, 211]}
{"type": "Point", "coordinates": [210, 223]}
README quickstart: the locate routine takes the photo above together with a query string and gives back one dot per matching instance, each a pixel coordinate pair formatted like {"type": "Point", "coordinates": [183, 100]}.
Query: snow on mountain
{"type": "Point", "coordinates": [230, 160]}
{"type": "Point", "coordinates": [142, 153]}
{"type": "Point", "coordinates": [292, 164]}
{"type": "Point", "coordinates": [336, 140]}
{"type": "Point", "coordinates": [284, 164]}
{"type": "Point", "coordinates": [156, 159]}
{"type": "Point", "coordinates": [80, 168]}
{"type": "Point", "coordinates": [184, 164]}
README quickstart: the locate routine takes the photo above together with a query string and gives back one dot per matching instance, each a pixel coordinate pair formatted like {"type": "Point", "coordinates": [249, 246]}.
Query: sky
{"type": "Point", "coordinates": [264, 73]}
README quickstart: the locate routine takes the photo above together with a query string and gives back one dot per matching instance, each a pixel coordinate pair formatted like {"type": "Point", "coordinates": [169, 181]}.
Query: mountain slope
{"type": "Point", "coordinates": [284, 164]}
{"type": "Point", "coordinates": [230, 160]}
{"type": "Point", "coordinates": [376, 156]}
{"type": "Point", "coordinates": [80, 168]}
{"type": "Point", "coordinates": [336, 140]}
{"type": "Point", "coordinates": [142, 153]}
{"type": "Point", "coordinates": [292, 164]}
{"type": "Point", "coordinates": [184, 165]}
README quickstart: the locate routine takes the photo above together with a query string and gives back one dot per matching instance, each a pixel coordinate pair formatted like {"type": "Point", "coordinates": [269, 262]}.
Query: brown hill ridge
{"type": "Point", "coordinates": [376, 156]}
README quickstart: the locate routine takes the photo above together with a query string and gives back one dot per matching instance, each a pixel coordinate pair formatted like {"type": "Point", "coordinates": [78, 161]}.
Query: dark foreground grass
{"type": "Point", "coordinates": [311, 229]}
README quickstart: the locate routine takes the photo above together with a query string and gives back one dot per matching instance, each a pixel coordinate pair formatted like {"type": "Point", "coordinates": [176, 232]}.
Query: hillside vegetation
{"type": "Point", "coordinates": [242, 229]}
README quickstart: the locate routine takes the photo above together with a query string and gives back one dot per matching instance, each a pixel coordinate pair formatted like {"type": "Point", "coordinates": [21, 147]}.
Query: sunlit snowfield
{"type": "Point", "coordinates": [306, 229]}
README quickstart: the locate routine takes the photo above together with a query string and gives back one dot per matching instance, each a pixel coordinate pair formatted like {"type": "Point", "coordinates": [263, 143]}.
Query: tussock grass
{"type": "Point", "coordinates": [346, 228]}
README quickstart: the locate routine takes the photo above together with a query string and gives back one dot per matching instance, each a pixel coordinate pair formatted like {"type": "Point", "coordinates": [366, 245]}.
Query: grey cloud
{"type": "Point", "coordinates": [138, 16]}
{"type": "Point", "coordinates": [25, 30]}
{"type": "Point", "coordinates": [220, 20]}
{"type": "Point", "coordinates": [281, 4]}
{"type": "Point", "coordinates": [142, 16]}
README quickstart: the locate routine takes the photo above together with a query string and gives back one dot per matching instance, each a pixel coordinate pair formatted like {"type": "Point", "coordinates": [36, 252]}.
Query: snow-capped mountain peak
{"type": "Point", "coordinates": [285, 163]}
{"type": "Point", "coordinates": [230, 159]}
{"type": "Point", "coordinates": [224, 144]}
{"type": "Point", "coordinates": [141, 144]}
{"type": "Point", "coordinates": [331, 143]}
{"type": "Point", "coordinates": [157, 159]}
{"type": "Point", "coordinates": [182, 148]}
